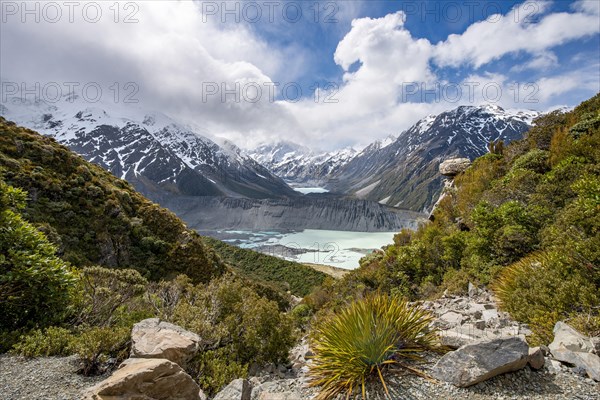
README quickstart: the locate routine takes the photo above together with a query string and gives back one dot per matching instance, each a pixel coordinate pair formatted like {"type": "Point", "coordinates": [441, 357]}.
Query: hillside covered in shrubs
{"type": "Point", "coordinates": [523, 220]}
{"type": "Point", "coordinates": [83, 257]}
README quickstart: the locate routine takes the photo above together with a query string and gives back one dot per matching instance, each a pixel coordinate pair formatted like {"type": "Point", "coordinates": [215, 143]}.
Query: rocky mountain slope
{"type": "Point", "coordinates": [299, 165]}
{"type": "Point", "coordinates": [148, 149]}
{"type": "Point", "coordinates": [312, 212]}
{"type": "Point", "coordinates": [404, 173]}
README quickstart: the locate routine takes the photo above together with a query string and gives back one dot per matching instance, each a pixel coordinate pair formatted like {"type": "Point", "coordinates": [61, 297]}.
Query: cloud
{"type": "Point", "coordinates": [517, 31]}
{"type": "Point", "coordinates": [539, 62]}
{"type": "Point", "coordinates": [175, 54]}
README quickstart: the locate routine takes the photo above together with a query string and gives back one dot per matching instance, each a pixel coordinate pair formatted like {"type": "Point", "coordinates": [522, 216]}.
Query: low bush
{"type": "Point", "coordinates": [544, 288]}
{"type": "Point", "coordinates": [215, 369]}
{"type": "Point", "coordinates": [96, 346]}
{"type": "Point", "coordinates": [52, 341]}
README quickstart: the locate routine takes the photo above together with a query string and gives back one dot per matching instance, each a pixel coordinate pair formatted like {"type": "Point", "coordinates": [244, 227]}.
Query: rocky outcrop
{"type": "Point", "coordinates": [138, 378]}
{"type": "Point", "coordinates": [239, 389]}
{"type": "Point", "coordinates": [153, 338]}
{"type": "Point", "coordinates": [571, 347]}
{"type": "Point", "coordinates": [479, 361]}
{"type": "Point", "coordinates": [454, 166]}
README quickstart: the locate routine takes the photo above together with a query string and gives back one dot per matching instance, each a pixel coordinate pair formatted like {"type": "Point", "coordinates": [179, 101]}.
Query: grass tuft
{"type": "Point", "coordinates": [356, 346]}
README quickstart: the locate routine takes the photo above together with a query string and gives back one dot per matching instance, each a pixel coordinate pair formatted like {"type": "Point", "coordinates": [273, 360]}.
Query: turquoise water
{"type": "Point", "coordinates": [340, 249]}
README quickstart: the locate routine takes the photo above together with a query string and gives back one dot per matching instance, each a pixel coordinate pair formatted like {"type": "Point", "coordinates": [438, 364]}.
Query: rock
{"type": "Point", "coordinates": [482, 360]}
{"type": "Point", "coordinates": [596, 344]}
{"type": "Point", "coordinates": [567, 338]}
{"type": "Point", "coordinates": [489, 315]}
{"type": "Point", "coordinates": [139, 378]}
{"type": "Point", "coordinates": [452, 318]}
{"type": "Point", "coordinates": [570, 346]}
{"type": "Point", "coordinates": [153, 338]}
{"type": "Point", "coordinates": [585, 361]}
{"type": "Point", "coordinates": [536, 358]}
{"type": "Point", "coordinates": [239, 389]}
{"type": "Point", "coordinates": [472, 290]}
{"type": "Point", "coordinates": [202, 395]}
{"type": "Point", "coordinates": [454, 166]}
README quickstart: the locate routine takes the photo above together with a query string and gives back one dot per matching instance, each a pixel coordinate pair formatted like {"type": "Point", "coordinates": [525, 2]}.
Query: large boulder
{"type": "Point", "coordinates": [239, 389]}
{"type": "Point", "coordinates": [477, 362]}
{"type": "Point", "coordinates": [571, 347]}
{"type": "Point", "coordinates": [146, 379]}
{"type": "Point", "coordinates": [567, 338]}
{"type": "Point", "coordinates": [153, 338]}
{"type": "Point", "coordinates": [454, 166]}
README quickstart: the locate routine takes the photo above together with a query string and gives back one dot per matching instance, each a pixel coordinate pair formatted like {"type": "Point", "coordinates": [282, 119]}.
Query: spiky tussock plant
{"type": "Point", "coordinates": [356, 345]}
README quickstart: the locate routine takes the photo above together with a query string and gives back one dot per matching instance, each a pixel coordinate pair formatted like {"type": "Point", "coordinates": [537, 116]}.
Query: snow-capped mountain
{"type": "Point", "coordinates": [149, 149]}
{"type": "Point", "coordinates": [298, 164]}
{"type": "Point", "coordinates": [405, 174]}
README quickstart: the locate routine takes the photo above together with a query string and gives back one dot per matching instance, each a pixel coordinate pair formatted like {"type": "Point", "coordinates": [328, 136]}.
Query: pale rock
{"type": "Point", "coordinates": [146, 379]}
{"type": "Point", "coordinates": [472, 291]}
{"type": "Point", "coordinates": [567, 338]}
{"type": "Point", "coordinates": [454, 166]}
{"type": "Point", "coordinates": [588, 362]}
{"type": "Point", "coordinates": [153, 338]}
{"type": "Point", "coordinates": [452, 318]}
{"type": "Point", "coordinates": [482, 360]}
{"type": "Point", "coordinates": [489, 315]}
{"type": "Point", "coordinates": [239, 389]}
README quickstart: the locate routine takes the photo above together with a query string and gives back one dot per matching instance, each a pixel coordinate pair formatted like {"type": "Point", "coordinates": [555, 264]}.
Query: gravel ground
{"type": "Point", "coordinates": [55, 378]}
{"type": "Point", "coordinates": [50, 378]}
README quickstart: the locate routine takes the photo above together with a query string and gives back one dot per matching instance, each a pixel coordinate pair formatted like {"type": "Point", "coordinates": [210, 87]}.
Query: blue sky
{"type": "Point", "coordinates": [433, 20]}
{"type": "Point", "coordinates": [393, 62]}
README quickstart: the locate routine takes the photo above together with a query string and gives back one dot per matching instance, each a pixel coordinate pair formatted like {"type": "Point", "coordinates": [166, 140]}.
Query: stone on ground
{"type": "Point", "coordinates": [153, 338]}
{"type": "Point", "coordinates": [239, 389]}
{"type": "Point", "coordinates": [146, 379]}
{"type": "Point", "coordinates": [479, 361]}
{"type": "Point", "coordinates": [536, 358]}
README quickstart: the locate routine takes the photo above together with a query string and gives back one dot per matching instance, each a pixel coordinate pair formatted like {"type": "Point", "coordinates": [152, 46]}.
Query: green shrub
{"type": "Point", "coordinates": [362, 340]}
{"type": "Point", "coordinates": [52, 341]}
{"type": "Point", "coordinates": [96, 345]}
{"type": "Point", "coordinates": [544, 288]}
{"type": "Point", "coordinates": [109, 297]}
{"type": "Point", "coordinates": [535, 160]}
{"type": "Point", "coordinates": [228, 311]}
{"type": "Point", "coordinates": [35, 285]}
{"type": "Point", "coordinates": [216, 368]}
{"type": "Point", "coordinates": [301, 314]}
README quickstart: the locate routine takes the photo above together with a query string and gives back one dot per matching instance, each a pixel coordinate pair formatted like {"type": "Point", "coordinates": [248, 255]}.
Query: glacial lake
{"type": "Point", "coordinates": [340, 249]}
